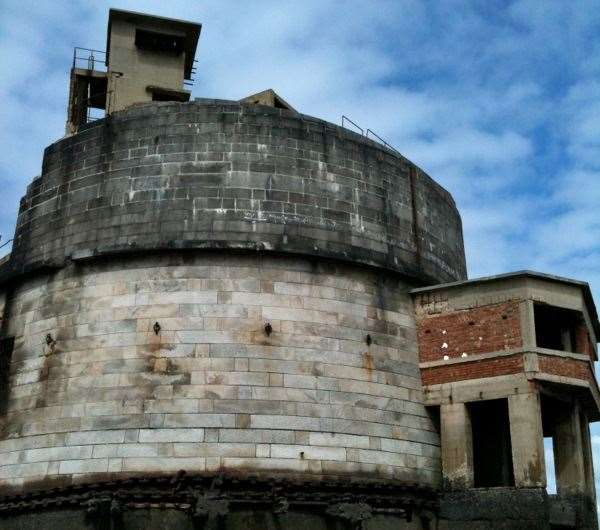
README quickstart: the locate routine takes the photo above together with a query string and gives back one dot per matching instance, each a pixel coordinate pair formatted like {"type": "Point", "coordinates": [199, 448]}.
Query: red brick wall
{"type": "Point", "coordinates": [565, 367]}
{"type": "Point", "coordinates": [511, 364]}
{"type": "Point", "coordinates": [495, 327]}
{"type": "Point", "coordinates": [505, 365]}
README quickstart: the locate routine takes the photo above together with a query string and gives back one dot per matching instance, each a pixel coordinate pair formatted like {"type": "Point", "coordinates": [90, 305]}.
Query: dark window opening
{"type": "Point", "coordinates": [6, 350]}
{"type": "Point", "coordinates": [162, 96]}
{"type": "Point", "coordinates": [434, 416]}
{"type": "Point", "coordinates": [167, 94]}
{"type": "Point", "coordinates": [159, 42]}
{"type": "Point", "coordinates": [492, 452]}
{"type": "Point", "coordinates": [556, 327]}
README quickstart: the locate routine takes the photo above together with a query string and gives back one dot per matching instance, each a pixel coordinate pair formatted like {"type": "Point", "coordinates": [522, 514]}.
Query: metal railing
{"type": "Point", "coordinates": [362, 132]}
{"type": "Point", "coordinates": [371, 132]}
{"type": "Point", "coordinates": [89, 59]}
{"type": "Point", "coordinates": [381, 140]}
{"type": "Point", "coordinates": [94, 114]}
{"type": "Point", "coordinates": [5, 243]}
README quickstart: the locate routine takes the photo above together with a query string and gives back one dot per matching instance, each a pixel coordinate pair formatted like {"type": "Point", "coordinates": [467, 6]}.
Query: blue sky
{"type": "Point", "coordinates": [499, 101]}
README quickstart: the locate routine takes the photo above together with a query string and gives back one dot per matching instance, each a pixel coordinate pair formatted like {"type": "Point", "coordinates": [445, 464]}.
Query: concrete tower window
{"type": "Point", "coordinates": [159, 42]}
{"type": "Point", "coordinates": [492, 455]}
{"type": "Point", "coordinates": [556, 327]}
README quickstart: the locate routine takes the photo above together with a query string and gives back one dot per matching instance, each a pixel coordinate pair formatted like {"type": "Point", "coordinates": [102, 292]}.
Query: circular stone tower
{"type": "Point", "coordinates": [206, 318]}
{"type": "Point", "coordinates": [207, 310]}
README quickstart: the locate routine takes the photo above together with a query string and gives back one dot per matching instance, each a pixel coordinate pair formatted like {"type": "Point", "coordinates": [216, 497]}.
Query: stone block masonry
{"type": "Point", "coordinates": [219, 175]}
{"type": "Point", "coordinates": [211, 390]}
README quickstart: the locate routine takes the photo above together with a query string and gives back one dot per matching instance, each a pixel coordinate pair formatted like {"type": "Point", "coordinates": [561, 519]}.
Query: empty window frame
{"type": "Point", "coordinates": [159, 42]}
{"type": "Point", "coordinates": [492, 451]}
{"type": "Point", "coordinates": [556, 327]}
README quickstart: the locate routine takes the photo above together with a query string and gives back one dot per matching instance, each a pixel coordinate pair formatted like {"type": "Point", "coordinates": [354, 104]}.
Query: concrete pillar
{"type": "Point", "coordinates": [569, 451]}
{"type": "Point", "coordinates": [457, 446]}
{"type": "Point", "coordinates": [588, 463]}
{"type": "Point", "coordinates": [565, 337]}
{"type": "Point", "coordinates": [527, 440]}
{"type": "Point", "coordinates": [527, 319]}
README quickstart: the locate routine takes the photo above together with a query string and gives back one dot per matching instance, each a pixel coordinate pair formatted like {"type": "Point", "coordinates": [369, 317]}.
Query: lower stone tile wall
{"type": "Point", "coordinates": [94, 389]}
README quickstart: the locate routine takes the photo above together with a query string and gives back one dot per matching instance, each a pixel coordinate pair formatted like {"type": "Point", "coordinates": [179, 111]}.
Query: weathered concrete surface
{"type": "Point", "coordinates": [527, 440]}
{"type": "Point", "coordinates": [457, 446]}
{"type": "Point", "coordinates": [214, 174]}
{"type": "Point", "coordinates": [569, 451]}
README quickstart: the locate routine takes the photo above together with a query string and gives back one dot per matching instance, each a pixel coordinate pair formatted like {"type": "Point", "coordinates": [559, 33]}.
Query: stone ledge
{"type": "Point", "coordinates": [504, 353]}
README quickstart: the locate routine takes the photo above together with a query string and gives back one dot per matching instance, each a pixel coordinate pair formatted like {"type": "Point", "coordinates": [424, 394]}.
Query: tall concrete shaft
{"type": "Point", "coordinates": [222, 289]}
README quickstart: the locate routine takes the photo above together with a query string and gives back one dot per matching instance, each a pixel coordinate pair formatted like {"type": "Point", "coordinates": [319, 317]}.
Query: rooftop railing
{"type": "Point", "coordinates": [89, 59]}
{"type": "Point", "coordinates": [374, 135]}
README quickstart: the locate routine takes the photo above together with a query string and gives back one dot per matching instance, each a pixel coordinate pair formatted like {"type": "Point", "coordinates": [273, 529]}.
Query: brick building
{"type": "Point", "coordinates": [228, 314]}
{"type": "Point", "coordinates": [507, 361]}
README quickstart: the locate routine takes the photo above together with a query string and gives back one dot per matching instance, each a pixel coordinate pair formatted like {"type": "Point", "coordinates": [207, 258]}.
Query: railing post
{"type": "Point", "coordinates": [362, 132]}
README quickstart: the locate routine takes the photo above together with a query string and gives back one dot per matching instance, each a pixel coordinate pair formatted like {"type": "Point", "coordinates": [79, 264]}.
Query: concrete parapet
{"type": "Point", "coordinates": [227, 175]}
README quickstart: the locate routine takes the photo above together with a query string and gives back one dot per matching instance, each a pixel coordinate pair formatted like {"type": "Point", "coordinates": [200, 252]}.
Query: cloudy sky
{"type": "Point", "coordinates": [497, 100]}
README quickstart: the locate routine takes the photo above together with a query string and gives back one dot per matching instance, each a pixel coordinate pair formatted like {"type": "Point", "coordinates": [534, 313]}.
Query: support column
{"type": "Point", "coordinates": [457, 446]}
{"type": "Point", "coordinates": [527, 318]}
{"type": "Point", "coordinates": [588, 463]}
{"type": "Point", "coordinates": [527, 440]}
{"type": "Point", "coordinates": [569, 451]}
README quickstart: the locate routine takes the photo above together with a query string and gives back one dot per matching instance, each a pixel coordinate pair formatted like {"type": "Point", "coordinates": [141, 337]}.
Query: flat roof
{"type": "Point", "coordinates": [191, 30]}
{"type": "Point", "coordinates": [584, 286]}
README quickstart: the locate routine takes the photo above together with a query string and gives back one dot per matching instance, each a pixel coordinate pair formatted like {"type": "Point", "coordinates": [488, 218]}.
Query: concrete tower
{"type": "Point", "coordinates": [146, 59]}
{"type": "Point", "coordinates": [208, 320]}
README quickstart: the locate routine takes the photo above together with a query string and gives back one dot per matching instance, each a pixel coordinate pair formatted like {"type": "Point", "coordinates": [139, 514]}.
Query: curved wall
{"type": "Point", "coordinates": [218, 174]}
{"type": "Point", "coordinates": [212, 391]}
